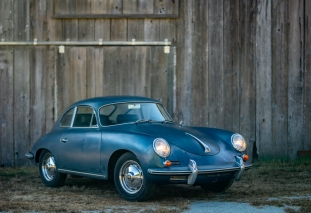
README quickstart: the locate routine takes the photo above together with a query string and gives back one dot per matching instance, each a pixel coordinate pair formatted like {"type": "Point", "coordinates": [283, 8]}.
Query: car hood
{"type": "Point", "coordinates": [186, 138]}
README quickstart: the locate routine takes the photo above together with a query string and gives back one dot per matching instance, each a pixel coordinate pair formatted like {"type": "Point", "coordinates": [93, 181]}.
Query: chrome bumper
{"type": "Point", "coordinates": [193, 171]}
{"type": "Point", "coordinates": [29, 155]}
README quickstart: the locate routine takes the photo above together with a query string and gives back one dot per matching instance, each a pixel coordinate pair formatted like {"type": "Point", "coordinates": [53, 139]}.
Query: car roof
{"type": "Point", "coordinates": [100, 101]}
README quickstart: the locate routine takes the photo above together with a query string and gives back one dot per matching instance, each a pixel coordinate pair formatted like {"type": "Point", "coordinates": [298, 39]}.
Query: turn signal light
{"type": "Point", "coordinates": [167, 163]}
{"type": "Point", "coordinates": [245, 157]}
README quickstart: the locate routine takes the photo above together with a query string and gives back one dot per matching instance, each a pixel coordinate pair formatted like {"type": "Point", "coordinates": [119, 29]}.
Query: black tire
{"type": "Point", "coordinates": [132, 186]}
{"type": "Point", "coordinates": [47, 168]}
{"type": "Point", "coordinates": [218, 186]}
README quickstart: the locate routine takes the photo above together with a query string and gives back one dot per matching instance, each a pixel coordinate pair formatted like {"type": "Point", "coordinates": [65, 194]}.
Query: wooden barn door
{"type": "Point", "coordinates": [84, 72]}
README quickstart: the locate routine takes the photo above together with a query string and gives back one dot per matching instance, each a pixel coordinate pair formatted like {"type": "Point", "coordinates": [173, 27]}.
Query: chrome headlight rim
{"type": "Point", "coordinates": [239, 147]}
{"type": "Point", "coordinates": [160, 152]}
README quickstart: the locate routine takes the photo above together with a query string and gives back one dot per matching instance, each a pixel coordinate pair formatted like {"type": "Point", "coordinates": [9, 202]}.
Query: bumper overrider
{"type": "Point", "coordinates": [192, 171]}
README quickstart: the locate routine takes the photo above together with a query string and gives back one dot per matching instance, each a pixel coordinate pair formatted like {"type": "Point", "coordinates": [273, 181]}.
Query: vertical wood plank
{"type": "Point", "coordinates": [63, 81]}
{"type": "Point", "coordinates": [91, 72]}
{"type": "Point", "coordinates": [78, 73]}
{"type": "Point", "coordinates": [151, 29]}
{"type": "Point", "coordinates": [6, 107]}
{"type": "Point", "coordinates": [231, 65]}
{"type": "Point", "coordinates": [280, 71]}
{"type": "Point", "coordinates": [307, 97]}
{"type": "Point", "coordinates": [101, 26]}
{"type": "Point", "coordinates": [141, 70]}
{"type": "Point", "coordinates": [99, 71]}
{"type": "Point", "coordinates": [86, 26]}
{"type": "Point", "coordinates": [125, 67]}
{"type": "Point", "coordinates": [21, 21]}
{"type": "Point", "coordinates": [135, 29]}
{"type": "Point", "coordinates": [199, 103]}
{"type": "Point", "coordinates": [6, 25]}
{"type": "Point", "coordinates": [38, 93]}
{"type": "Point", "coordinates": [111, 75]}
{"type": "Point", "coordinates": [215, 64]}
{"type": "Point", "coordinates": [184, 67]}
{"type": "Point", "coordinates": [54, 26]}
{"type": "Point", "coordinates": [21, 104]}
{"type": "Point", "coordinates": [247, 75]}
{"type": "Point", "coordinates": [264, 73]}
{"type": "Point", "coordinates": [50, 116]}
{"type": "Point", "coordinates": [38, 19]}
{"type": "Point", "coordinates": [295, 81]}
{"type": "Point", "coordinates": [118, 26]}
{"type": "Point", "coordinates": [70, 26]}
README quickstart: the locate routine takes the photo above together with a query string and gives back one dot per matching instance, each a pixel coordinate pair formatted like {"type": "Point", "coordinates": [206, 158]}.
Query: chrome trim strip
{"type": "Point", "coordinates": [83, 173]}
{"type": "Point", "coordinates": [206, 148]}
{"type": "Point", "coordinates": [155, 172]}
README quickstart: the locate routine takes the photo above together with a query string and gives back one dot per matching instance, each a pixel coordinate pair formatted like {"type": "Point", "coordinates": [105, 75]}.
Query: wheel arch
{"type": "Point", "coordinates": [113, 159]}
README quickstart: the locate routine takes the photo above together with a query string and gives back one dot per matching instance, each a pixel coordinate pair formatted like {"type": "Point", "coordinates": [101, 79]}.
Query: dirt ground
{"type": "Point", "coordinates": [269, 182]}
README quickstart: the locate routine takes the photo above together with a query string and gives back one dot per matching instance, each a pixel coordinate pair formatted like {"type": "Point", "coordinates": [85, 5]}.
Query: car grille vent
{"type": "Point", "coordinates": [178, 178]}
{"type": "Point", "coordinates": [175, 162]}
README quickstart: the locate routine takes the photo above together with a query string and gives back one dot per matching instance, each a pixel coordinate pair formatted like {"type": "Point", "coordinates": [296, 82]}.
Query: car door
{"type": "Point", "coordinates": [79, 149]}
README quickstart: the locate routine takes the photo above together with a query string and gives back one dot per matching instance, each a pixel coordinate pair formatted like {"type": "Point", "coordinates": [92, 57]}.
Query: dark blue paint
{"type": "Point", "coordinates": [88, 150]}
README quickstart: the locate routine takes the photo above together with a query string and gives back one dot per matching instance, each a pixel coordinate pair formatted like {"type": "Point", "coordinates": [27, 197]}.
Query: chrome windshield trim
{"type": "Point", "coordinates": [206, 148]}
{"type": "Point", "coordinates": [82, 173]}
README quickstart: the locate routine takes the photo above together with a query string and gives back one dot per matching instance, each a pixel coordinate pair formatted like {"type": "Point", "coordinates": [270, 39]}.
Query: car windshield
{"type": "Point", "coordinates": [133, 112]}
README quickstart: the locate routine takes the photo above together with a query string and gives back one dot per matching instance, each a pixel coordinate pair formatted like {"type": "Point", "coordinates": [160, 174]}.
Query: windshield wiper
{"type": "Point", "coordinates": [167, 121]}
{"type": "Point", "coordinates": [142, 120]}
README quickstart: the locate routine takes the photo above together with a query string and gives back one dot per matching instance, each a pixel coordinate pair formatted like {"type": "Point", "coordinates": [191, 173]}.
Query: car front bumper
{"type": "Point", "coordinates": [192, 171]}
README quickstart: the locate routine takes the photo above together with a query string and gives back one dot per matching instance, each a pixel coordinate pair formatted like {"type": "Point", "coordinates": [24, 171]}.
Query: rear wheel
{"type": "Point", "coordinates": [47, 168]}
{"type": "Point", "coordinates": [129, 179]}
{"type": "Point", "coordinates": [218, 186]}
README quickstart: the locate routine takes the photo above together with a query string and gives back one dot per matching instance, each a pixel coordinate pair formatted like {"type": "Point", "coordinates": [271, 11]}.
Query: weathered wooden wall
{"type": "Point", "coordinates": [242, 65]}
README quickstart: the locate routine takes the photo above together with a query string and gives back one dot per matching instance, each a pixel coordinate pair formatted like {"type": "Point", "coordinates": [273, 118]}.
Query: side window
{"type": "Point", "coordinates": [66, 119]}
{"type": "Point", "coordinates": [83, 117]}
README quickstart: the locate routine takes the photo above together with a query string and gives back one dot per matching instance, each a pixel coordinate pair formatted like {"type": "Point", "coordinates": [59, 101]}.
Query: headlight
{"type": "Point", "coordinates": [238, 142]}
{"type": "Point", "coordinates": [161, 147]}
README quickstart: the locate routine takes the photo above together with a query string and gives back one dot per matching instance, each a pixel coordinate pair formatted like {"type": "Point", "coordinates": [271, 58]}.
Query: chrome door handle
{"type": "Point", "coordinates": [64, 140]}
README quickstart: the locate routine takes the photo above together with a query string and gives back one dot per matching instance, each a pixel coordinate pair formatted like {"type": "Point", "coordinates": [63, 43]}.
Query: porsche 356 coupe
{"type": "Point", "coordinates": [134, 142]}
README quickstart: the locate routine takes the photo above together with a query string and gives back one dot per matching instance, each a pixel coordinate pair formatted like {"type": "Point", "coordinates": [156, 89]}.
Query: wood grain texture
{"type": "Point", "coordinates": [6, 107]}
{"type": "Point", "coordinates": [78, 73]}
{"type": "Point", "coordinates": [6, 24]}
{"type": "Point", "coordinates": [280, 36]}
{"type": "Point", "coordinates": [63, 81]}
{"type": "Point", "coordinates": [200, 70]}
{"type": "Point", "coordinates": [184, 67]}
{"type": "Point", "coordinates": [21, 20]}
{"type": "Point", "coordinates": [99, 71]}
{"type": "Point", "coordinates": [22, 100]}
{"type": "Point", "coordinates": [231, 65]}
{"type": "Point", "coordinates": [50, 99]}
{"type": "Point", "coordinates": [247, 74]}
{"type": "Point", "coordinates": [70, 27]}
{"type": "Point", "coordinates": [264, 72]}
{"type": "Point", "coordinates": [54, 27]}
{"type": "Point", "coordinates": [307, 85]}
{"type": "Point", "coordinates": [38, 19]}
{"type": "Point", "coordinates": [296, 77]}
{"type": "Point", "coordinates": [215, 64]}
{"type": "Point", "coordinates": [37, 94]}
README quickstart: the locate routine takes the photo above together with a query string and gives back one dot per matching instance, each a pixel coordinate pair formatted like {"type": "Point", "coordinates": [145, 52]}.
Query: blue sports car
{"type": "Point", "coordinates": [134, 142]}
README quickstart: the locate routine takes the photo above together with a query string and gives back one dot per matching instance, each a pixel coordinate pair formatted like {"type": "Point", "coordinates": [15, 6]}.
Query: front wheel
{"type": "Point", "coordinates": [47, 168]}
{"type": "Point", "coordinates": [129, 179]}
{"type": "Point", "coordinates": [218, 186]}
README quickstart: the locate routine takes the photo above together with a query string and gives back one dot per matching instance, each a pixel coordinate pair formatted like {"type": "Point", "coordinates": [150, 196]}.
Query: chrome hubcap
{"type": "Point", "coordinates": [131, 177]}
{"type": "Point", "coordinates": [48, 167]}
